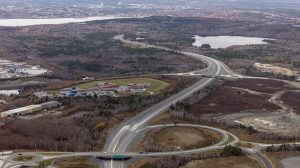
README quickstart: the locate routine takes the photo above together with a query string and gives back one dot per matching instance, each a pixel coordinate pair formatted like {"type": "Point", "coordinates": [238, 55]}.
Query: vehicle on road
{"type": "Point", "coordinates": [141, 152]}
{"type": "Point", "coordinates": [105, 152]}
{"type": "Point", "coordinates": [19, 154]}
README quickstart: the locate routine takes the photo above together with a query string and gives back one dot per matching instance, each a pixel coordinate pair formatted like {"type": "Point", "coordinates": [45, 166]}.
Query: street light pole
{"type": "Point", "coordinates": [296, 135]}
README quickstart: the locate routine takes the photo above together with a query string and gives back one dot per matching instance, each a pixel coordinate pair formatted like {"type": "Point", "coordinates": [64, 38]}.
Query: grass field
{"type": "Point", "coordinates": [46, 162]}
{"type": "Point", "coordinates": [54, 154]}
{"type": "Point", "coordinates": [75, 162]}
{"type": "Point", "coordinates": [22, 158]}
{"type": "Point", "coordinates": [32, 79]}
{"type": "Point", "coordinates": [177, 136]}
{"type": "Point", "coordinates": [244, 145]}
{"type": "Point", "coordinates": [160, 84]}
{"type": "Point", "coordinates": [230, 139]}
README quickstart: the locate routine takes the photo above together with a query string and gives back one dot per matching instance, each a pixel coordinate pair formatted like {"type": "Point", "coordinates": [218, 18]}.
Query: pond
{"type": "Point", "coordinates": [226, 41]}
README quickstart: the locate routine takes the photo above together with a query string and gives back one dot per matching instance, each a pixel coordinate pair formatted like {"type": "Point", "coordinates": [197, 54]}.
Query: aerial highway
{"type": "Point", "coordinates": [122, 138]}
{"type": "Point", "coordinates": [123, 134]}
{"type": "Point", "coordinates": [126, 133]}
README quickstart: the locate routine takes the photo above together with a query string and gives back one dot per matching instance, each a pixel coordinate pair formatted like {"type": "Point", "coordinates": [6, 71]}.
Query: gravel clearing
{"type": "Point", "coordinates": [291, 162]}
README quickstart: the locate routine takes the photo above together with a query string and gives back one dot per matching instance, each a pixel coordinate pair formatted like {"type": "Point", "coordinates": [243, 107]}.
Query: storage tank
{"type": "Point", "coordinates": [74, 91]}
{"type": "Point", "coordinates": [73, 88]}
{"type": "Point", "coordinates": [83, 93]}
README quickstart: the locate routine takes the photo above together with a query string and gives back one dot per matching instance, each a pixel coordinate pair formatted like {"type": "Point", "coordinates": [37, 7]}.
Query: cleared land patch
{"type": "Point", "coordinates": [226, 100]}
{"type": "Point", "coordinates": [261, 85]}
{"type": "Point", "coordinates": [232, 162]}
{"type": "Point", "coordinates": [292, 99]}
{"type": "Point", "coordinates": [288, 158]}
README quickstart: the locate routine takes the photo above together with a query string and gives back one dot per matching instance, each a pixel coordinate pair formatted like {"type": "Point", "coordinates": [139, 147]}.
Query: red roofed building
{"type": "Point", "coordinates": [108, 86]}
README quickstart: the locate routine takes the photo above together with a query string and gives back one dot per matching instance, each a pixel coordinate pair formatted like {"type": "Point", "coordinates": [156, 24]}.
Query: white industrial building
{"type": "Point", "coordinates": [30, 109]}
{"type": "Point", "coordinates": [21, 111]}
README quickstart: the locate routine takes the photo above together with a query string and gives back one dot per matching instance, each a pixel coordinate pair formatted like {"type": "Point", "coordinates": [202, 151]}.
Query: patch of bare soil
{"type": "Point", "coordinates": [275, 69]}
{"type": "Point", "coordinates": [261, 85]}
{"type": "Point", "coordinates": [289, 159]}
{"type": "Point", "coordinates": [292, 99]}
{"type": "Point", "coordinates": [232, 162]}
{"type": "Point", "coordinates": [227, 100]}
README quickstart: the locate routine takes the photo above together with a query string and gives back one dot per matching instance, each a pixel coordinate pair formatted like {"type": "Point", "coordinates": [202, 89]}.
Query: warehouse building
{"type": "Point", "coordinates": [21, 111]}
{"type": "Point", "coordinates": [30, 109]}
{"type": "Point", "coordinates": [50, 104]}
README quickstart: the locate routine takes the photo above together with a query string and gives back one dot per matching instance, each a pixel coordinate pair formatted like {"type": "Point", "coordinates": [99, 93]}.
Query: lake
{"type": "Point", "coordinates": [30, 22]}
{"type": "Point", "coordinates": [226, 41]}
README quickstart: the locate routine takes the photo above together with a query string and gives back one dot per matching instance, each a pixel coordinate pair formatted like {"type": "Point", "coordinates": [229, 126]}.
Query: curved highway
{"type": "Point", "coordinates": [123, 134]}
{"type": "Point", "coordinates": [126, 133]}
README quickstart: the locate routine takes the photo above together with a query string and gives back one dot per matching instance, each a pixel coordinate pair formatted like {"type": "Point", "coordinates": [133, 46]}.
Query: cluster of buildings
{"type": "Point", "coordinates": [11, 69]}
{"type": "Point", "coordinates": [74, 92]}
{"type": "Point", "coordinates": [48, 12]}
{"type": "Point", "coordinates": [104, 88]}
{"type": "Point", "coordinates": [131, 88]}
{"type": "Point", "coordinates": [30, 109]}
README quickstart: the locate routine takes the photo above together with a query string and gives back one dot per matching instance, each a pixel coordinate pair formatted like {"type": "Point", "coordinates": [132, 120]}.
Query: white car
{"type": "Point", "coordinates": [105, 152]}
